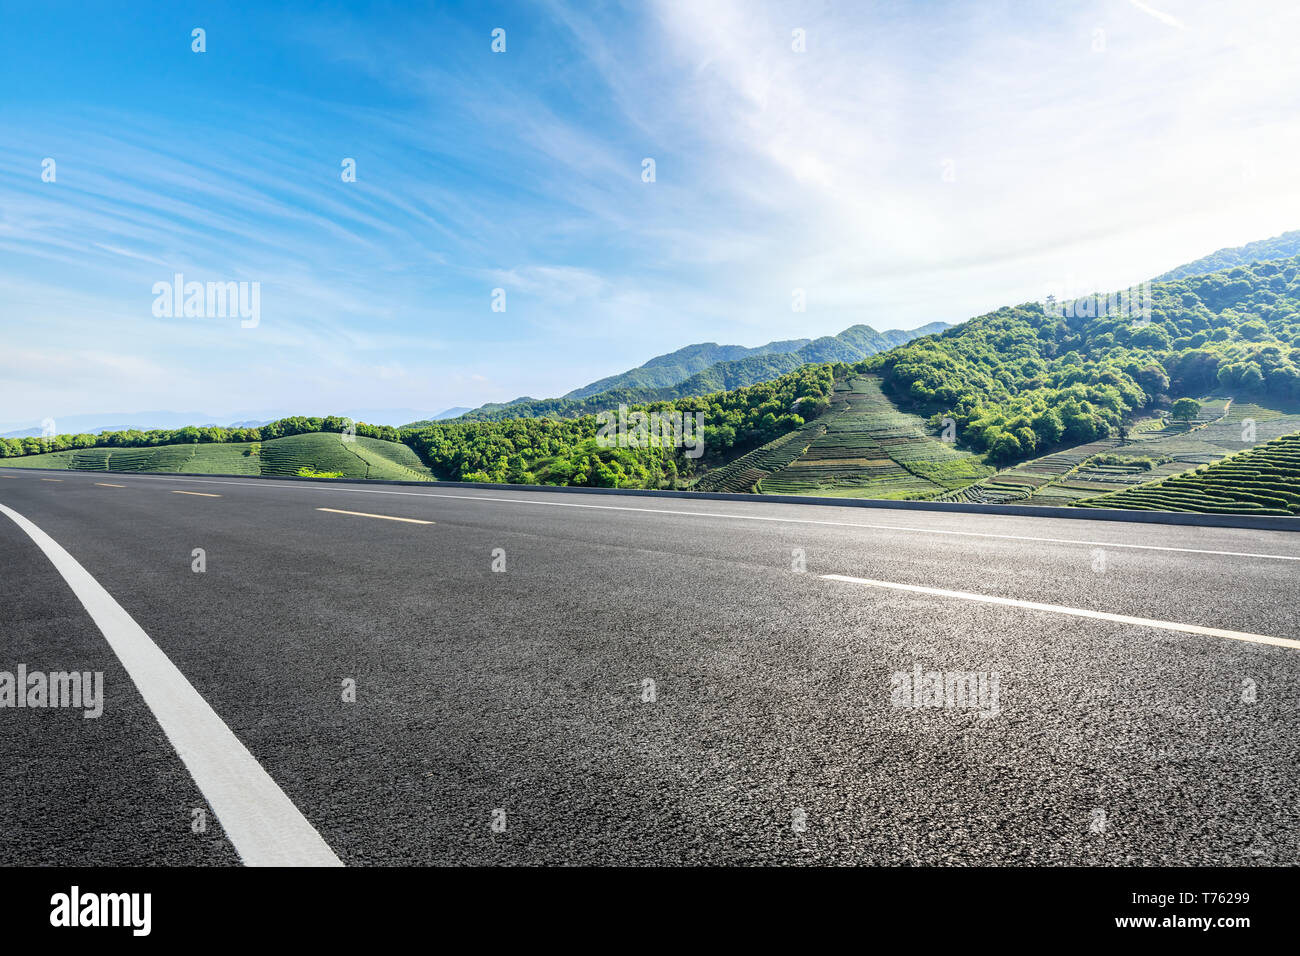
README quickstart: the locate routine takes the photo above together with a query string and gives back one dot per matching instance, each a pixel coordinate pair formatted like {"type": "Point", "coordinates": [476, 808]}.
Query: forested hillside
{"type": "Point", "coordinates": [547, 451]}
{"type": "Point", "coordinates": [1279, 247]}
{"type": "Point", "coordinates": [1022, 378]}
{"type": "Point", "coordinates": [665, 370]}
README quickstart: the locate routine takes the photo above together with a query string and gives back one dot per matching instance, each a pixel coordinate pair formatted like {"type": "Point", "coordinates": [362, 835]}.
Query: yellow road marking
{"type": "Point", "coordinates": [365, 514]}
{"type": "Point", "coordinates": [104, 484]}
{"type": "Point", "coordinates": [200, 494]}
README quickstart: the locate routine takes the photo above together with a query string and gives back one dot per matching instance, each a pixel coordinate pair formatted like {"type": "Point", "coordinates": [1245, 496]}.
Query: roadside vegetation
{"type": "Point", "coordinates": [566, 451]}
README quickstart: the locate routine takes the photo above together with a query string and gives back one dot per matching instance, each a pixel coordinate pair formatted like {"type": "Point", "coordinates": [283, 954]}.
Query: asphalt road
{"type": "Point", "coordinates": [506, 718]}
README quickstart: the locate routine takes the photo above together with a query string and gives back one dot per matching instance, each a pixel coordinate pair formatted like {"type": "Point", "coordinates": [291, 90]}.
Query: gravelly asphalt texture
{"type": "Point", "coordinates": [523, 690]}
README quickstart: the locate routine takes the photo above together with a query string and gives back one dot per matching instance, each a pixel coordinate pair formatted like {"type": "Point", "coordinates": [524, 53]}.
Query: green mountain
{"type": "Point", "coordinates": [1279, 247]}
{"type": "Point", "coordinates": [752, 367]}
{"type": "Point", "coordinates": [1026, 377]}
{"type": "Point", "coordinates": [665, 370]}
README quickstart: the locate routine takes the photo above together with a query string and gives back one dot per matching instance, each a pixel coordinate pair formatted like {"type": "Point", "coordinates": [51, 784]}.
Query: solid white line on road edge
{"type": "Point", "coordinates": [259, 819]}
{"type": "Point", "coordinates": [1073, 611]}
{"type": "Point", "coordinates": [365, 514]}
{"type": "Point", "coordinates": [758, 500]}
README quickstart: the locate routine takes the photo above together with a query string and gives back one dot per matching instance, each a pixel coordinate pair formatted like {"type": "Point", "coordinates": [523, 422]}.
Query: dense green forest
{"type": "Point", "coordinates": [566, 452]}
{"type": "Point", "coordinates": [1279, 247]}
{"type": "Point", "coordinates": [1025, 378]}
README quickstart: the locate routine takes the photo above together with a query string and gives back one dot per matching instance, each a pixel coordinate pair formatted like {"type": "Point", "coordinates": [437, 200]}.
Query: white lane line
{"type": "Point", "coordinates": [260, 820]}
{"type": "Point", "coordinates": [758, 500]}
{"type": "Point", "coordinates": [364, 514]}
{"type": "Point", "coordinates": [1073, 611]}
{"type": "Point", "coordinates": [197, 494]}
{"type": "Point", "coordinates": [105, 484]}
{"type": "Point", "coordinates": [51, 479]}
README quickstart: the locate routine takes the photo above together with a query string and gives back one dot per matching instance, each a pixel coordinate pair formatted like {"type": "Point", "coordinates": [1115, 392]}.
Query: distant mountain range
{"type": "Point", "coordinates": [97, 422]}
{"type": "Point", "coordinates": [704, 368]}
{"type": "Point", "coordinates": [664, 370]}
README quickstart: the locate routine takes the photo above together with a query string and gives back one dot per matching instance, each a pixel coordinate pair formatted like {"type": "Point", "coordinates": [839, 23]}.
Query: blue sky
{"type": "Point", "coordinates": [917, 162]}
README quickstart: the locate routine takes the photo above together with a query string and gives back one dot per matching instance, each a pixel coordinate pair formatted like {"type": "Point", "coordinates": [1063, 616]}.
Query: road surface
{"type": "Point", "coordinates": [648, 680]}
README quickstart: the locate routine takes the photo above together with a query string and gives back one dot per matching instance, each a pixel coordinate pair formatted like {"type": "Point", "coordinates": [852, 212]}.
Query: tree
{"type": "Point", "coordinates": [1186, 409]}
{"type": "Point", "coordinates": [1006, 448]}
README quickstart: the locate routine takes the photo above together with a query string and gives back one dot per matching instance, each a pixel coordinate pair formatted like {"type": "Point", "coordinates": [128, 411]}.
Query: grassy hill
{"type": "Point", "coordinates": [1264, 480]}
{"type": "Point", "coordinates": [318, 452]}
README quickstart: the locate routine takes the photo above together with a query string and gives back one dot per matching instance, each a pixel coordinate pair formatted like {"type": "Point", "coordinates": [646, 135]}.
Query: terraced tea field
{"type": "Point", "coordinates": [864, 446]}
{"type": "Point", "coordinates": [362, 458]}
{"type": "Point", "coordinates": [1155, 449]}
{"type": "Point", "coordinates": [233, 459]}
{"type": "Point", "coordinates": [1264, 480]}
{"type": "Point", "coordinates": [742, 474]}
{"type": "Point", "coordinates": [1031, 478]}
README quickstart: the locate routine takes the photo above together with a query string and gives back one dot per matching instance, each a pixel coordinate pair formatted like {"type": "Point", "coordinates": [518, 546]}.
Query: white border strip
{"type": "Point", "coordinates": [1074, 612]}
{"type": "Point", "coordinates": [259, 819]}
